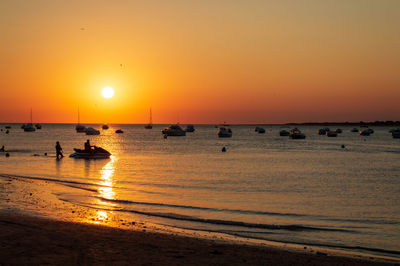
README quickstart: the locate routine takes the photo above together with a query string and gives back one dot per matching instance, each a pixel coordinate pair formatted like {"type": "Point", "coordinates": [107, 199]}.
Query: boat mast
{"type": "Point", "coordinates": [79, 119]}
{"type": "Point", "coordinates": [151, 118]}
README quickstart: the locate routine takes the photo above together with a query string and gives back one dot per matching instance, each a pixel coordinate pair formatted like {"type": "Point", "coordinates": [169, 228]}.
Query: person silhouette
{"type": "Point", "coordinates": [88, 148]}
{"type": "Point", "coordinates": [59, 150]}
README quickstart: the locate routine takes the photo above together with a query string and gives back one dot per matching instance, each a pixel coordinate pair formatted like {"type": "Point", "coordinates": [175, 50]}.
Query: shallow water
{"type": "Point", "coordinates": [265, 186]}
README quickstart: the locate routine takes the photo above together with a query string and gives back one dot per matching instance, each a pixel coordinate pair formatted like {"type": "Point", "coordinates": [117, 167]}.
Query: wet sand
{"type": "Point", "coordinates": [30, 240]}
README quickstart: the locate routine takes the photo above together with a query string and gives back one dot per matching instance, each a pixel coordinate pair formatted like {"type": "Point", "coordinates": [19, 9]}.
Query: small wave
{"type": "Point", "coordinates": [203, 208]}
{"type": "Point", "coordinates": [289, 227]}
{"type": "Point", "coordinates": [52, 180]}
{"type": "Point", "coordinates": [253, 212]}
{"type": "Point", "coordinates": [19, 151]}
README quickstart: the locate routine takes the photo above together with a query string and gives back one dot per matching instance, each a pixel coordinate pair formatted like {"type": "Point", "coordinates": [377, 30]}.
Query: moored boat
{"type": "Point", "coordinates": [365, 132]}
{"type": "Point", "coordinates": [296, 134]}
{"type": "Point", "coordinates": [92, 131]}
{"type": "Point", "coordinates": [189, 128]}
{"type": "Point", "coordinates": [80, 128]}
{"type": "Point", "coordinates": [29, 127]}
{"type": "Point", "coordinates": [284, 133]}
{"type": "Point", "coordinates": [174, 130]}
{"type": "Point", "coordinates": [331, 134]}
{"type": "Point", "coordinates": [396, 133]}
{"type": "Point", "coordinates": [224, 132]}
{"type": "Point", "coordinates": [260, 130]}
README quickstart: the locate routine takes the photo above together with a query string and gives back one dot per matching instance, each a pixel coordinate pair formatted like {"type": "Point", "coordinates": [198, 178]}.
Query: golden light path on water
{"type": "Point", "coordinates": [106, 191]}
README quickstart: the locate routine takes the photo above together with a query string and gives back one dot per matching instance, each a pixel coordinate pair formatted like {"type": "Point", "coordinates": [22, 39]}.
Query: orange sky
{"type": "Point", "coordinates": [200, 61]}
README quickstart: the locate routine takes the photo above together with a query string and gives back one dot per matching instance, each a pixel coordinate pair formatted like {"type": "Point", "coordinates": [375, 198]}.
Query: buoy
{"type": "Point", "coordinates": [7, 154]}
{"type": "Point", "coordinates": [343, 146]}
{"type": "Point", "coordinates": [223, 149]}
{"type": "Point", "coordinates": [45, 154]}
{"type": "Point", "coordinates": [165, 136]}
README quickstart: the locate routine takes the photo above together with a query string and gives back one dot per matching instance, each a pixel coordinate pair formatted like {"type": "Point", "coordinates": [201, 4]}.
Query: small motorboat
{"type": "Point", "coordinates": [296, 134]}
{"type": "Point", "coordinates": [321, 131]}
{"type": "Point", "coordinates": [365, 132]}
{"type": "Point", "coordinates": [331, 134]}
{"type": "Point", "coordinates": [80, 128]}
{"type": "Point", "coordinates": [338, 131]}
{"type": "Point", "coordinates": [8, 127]}
{"type": "Point", "coordinates": [119, 131]}
{"type": "Point", "coordinates": [354, 130]}
{"type": "Point", "coordinates": [105, 126]}
{"type": "Point", "coordinates": [396, 133]}
{"type": "Point", "coordinates": [284, 133]}
{"type": "Point", "coordinates": [189, 128]}
{"type": "Point", "coordinates": [94, 153]}
{"type": "Point", "coordinates": [260, 130]}
{"type": "Point", "coordinates": [38, 126]}
{"type": "Point", "coordinates": [224, 132]}
{"type": "Point", "coordinates": [174, 130]}
{"type": "Point", "coordinates": [92, 131]}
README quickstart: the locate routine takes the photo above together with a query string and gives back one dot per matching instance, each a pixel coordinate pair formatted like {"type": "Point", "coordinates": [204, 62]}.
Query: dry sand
{"type": "Point", "coordinates": [31, 240]}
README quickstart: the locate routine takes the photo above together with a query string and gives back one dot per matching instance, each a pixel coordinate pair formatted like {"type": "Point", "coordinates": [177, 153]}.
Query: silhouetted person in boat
{"type": "Point", "coordinates": [88, 148]}
{"type": "Point", "coordinates": [2, 148]}
{"type": "Point", "coordinates": [59, 150]}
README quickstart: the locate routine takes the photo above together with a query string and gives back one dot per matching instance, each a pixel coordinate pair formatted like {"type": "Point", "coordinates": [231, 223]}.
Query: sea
{"type": "Point", "coordinates": [336, 192]}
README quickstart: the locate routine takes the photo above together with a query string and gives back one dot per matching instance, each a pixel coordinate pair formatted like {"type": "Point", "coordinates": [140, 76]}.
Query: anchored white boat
{"type": "Point", "coordinates": [174, 130]}
{"type": "Point", "coordinates": [296, 134]}
{"type": "Point", "coordinates": [224, 132]}
{"type": "Point", "coordinates": [396, 133]}
{"type": "Point", "coordinates": [331, 134]}
{"type": "Point", "coordinates": [92, 131]}
{"type": "Point", "coordinates": [260, 130]}
{"type": "Point", "coordinates": [189, 128]}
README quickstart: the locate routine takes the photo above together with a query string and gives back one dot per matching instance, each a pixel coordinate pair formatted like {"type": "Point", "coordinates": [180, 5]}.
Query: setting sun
{"type": "Point", "coordinates": [107, 92]}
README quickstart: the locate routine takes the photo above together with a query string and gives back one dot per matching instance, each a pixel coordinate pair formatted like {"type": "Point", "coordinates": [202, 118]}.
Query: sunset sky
{"type": "Point", "coordinates": [200, 61]}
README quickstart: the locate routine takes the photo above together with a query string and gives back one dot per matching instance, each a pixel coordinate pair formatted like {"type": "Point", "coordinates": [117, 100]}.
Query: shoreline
{"type": "Point", "coordinates": [32, 240]}
{"type": "Point", "coordinates": [72, 216]}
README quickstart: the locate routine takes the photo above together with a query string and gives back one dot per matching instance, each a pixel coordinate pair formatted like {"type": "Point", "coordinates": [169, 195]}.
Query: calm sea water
{"type": "Point", "coordinates": [265, 186]}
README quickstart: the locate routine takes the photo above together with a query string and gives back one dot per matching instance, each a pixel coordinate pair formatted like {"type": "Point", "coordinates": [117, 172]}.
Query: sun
{"type": "Point", "coordinates": [107, 92]}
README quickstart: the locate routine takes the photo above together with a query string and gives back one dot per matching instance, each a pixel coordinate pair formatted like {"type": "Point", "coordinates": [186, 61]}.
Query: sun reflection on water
{"type": "Point", "coordinates": [106, 180]}
{"type": "Point", "coordinates": [105, 191]}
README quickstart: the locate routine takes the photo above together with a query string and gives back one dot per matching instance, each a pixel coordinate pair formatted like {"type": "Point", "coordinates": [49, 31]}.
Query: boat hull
{"type": "Point", "coordinates": [78, 155]}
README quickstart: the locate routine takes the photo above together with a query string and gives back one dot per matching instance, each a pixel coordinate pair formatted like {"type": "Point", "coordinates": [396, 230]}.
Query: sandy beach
{"type": "Point", "coordinates": [30, 240]}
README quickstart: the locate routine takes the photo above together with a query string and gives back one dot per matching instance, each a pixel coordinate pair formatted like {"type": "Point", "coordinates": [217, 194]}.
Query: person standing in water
{"type": "Point", "coordinates": [59, 150]}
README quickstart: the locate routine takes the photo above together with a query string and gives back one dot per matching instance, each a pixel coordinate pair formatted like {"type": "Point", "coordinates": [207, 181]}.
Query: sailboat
{"type": "Point", "coordinates": [29, 127]}
{"type": "Point", "coordinates": [149, 125]}
{"type": "Point", "coordinates": [80, 128]}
